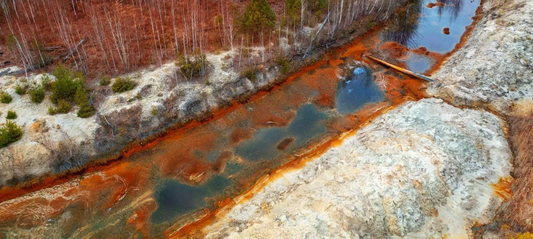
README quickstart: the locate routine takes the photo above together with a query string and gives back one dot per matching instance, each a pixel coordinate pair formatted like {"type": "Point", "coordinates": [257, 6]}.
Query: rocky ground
{"type": "Point", "coordinates": [496, 72]}
{"type": "Point", "coordinates": [54, 145]}
{"type": "Point", "coordinates": [427, 168]}
{"type": "Point", "coordinates": [424, 169]}
{"type": "Point", "coordinates": [436, 167]}
{"type": "Point", "coordinates": [495, 67]}
{"type": "Point", "coordinates": [161, 99]}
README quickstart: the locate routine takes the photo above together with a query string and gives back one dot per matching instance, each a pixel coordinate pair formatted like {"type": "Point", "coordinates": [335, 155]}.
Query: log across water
{"type": "Point", "coordinates": [189, 174]}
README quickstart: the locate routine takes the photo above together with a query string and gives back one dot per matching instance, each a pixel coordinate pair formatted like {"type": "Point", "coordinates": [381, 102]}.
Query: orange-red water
{"type": "Point", "coordinates": [188, 174]}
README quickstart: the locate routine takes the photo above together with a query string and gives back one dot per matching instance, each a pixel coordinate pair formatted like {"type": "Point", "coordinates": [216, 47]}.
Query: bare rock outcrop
{"type": "Point", "coordinates": [425, 169]}
{"type": "Point", "coordinates": [495, 66]}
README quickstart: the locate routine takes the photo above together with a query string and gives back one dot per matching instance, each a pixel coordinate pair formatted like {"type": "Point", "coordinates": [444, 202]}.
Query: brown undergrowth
{"type": "Point", "coordinates": [517, 213]}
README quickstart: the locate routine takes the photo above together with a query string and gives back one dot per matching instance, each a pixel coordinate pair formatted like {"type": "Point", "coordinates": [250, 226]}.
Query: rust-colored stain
{"type": "Point", "coordinates": [240, 134]}
{"type": "Point", "coordinates": [435, 4]}
{"type": "Point", "coordinates": [503, 188]}
{"type": "Point", "coordinates": [122, 190]}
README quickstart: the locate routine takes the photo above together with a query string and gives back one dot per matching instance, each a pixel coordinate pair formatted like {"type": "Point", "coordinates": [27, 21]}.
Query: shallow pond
{"type": "Point", "coordinates": [435, 26]}
{"type": "Point", "coordinates": [356, 91]}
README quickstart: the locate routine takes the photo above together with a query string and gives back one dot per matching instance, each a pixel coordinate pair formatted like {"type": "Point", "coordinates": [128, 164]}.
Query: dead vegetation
{"type": "Point", "coordinates": [517, 213]}
{"type": "Point", "coordinates": [115, 37]}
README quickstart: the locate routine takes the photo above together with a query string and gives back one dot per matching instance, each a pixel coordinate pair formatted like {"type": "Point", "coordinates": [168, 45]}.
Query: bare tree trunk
{"type": "Point", "coordinates": [312, 40]}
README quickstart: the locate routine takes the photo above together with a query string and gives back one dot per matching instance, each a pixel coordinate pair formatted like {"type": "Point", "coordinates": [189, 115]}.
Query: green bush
{"type": "Point", "coordinates": [191, 66]}
{"type": "Point", "coordinates": [9, 133]}
{"type": "Point", "coordinates": [62, 108]}
{"type": "Point", "coordinates": [105, 81]}
{"type": "Point", "coordinates": [122, 85]}
{"type": "Point", "coordinates": [86, 111]}
{"type": "Point", "coordinates": [65, 86]}
{"type": "Point", "coordinates": [284, 63]}
{"type": "Point", "coordinates": [250, 73]}
{"type": "Point", "coordinates": [154, 111]}
{"type": "Point", "coordinates": [5, 97]}
{"type": "Point", "coordinates": [293, 11]}
{"type": "Point", "coordinates": [46, 82]}
{"type": "Point", "coordinates": [11, 115]}
{"type": "Point", "coordinates": [37, 94]}
{"type": "Point", "coordinates": [81, 97]}
{"type": "Point", "coordinates": [82, 100]}
{"type": "Point", "coordinates": [257, 17]}
{"type": "Point", "coordinates": [20, 90]}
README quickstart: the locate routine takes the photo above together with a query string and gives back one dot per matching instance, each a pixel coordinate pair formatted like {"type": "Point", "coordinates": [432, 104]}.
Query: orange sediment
{"type": "Point", "coordinates": [126, 188]}
{"type": "Point", "coordinates": [503, 188]}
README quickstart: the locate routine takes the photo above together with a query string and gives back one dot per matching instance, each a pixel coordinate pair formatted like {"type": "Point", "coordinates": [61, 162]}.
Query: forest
{"type": "Point", "coordinates": [111, 37]}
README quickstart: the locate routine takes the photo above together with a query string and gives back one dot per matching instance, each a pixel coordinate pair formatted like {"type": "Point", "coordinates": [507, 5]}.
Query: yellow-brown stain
{"type": "Point", "coordinates": [503, 188]}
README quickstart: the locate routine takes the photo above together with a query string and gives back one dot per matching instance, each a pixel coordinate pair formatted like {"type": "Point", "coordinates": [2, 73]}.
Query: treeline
{"type": "Point", "coordinates": [116, 36]}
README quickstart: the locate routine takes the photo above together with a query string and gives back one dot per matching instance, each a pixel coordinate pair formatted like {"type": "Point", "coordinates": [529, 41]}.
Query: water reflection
{"type": "Point", "coordinates": [404, 25]}
{"type": "Point", "coordinates": [163, 187]}
{"type": "Point", "coordinates": [422, 24]}
{"type": "Point", "coordinates": [453, 8]}
{"type": "Point", "coordinates": [419, 63]}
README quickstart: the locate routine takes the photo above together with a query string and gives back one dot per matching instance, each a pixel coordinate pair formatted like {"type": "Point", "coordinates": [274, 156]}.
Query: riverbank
{"type": "Point", "coordinates": [490, 75]}
{"type": "Point", "coordinates": [496, 74]}
{"type": "Point", "coordinates": [377, 181]}
{"type": "Point", "coordinates": [163, 100]}
{"type": "Point", "coordinates": [424, 169]}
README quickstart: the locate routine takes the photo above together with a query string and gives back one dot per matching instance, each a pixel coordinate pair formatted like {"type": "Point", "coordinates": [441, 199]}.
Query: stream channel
{"type": "Point", "coordinates": [191, 172]}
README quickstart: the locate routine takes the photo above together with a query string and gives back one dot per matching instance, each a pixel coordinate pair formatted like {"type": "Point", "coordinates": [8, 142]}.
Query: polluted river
{"type": "Point", "coordinates": [160, 188]}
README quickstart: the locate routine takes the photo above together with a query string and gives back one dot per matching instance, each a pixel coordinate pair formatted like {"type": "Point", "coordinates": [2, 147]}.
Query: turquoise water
{"type": "Point", "coordinates": [307, 124]}
{"type": "Point", "coordinates": [418, 27]}
{"type": "Point", "coordinates": [174, 198]}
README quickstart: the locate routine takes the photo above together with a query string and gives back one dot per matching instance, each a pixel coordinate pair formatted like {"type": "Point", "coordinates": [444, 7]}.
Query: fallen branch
{"type": "Point", "coordinates": [316, 35]}
{"type": "Point", "coordinates": [51, 48]}
{"type": "Point", "coordinates": [74, 50]}
{"type": "Point", "coordinates": [419, 76]}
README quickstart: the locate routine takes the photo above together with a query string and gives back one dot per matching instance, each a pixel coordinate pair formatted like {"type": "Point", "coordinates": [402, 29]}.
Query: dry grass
{"type": "Point", "coordinates": [518, 211]}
